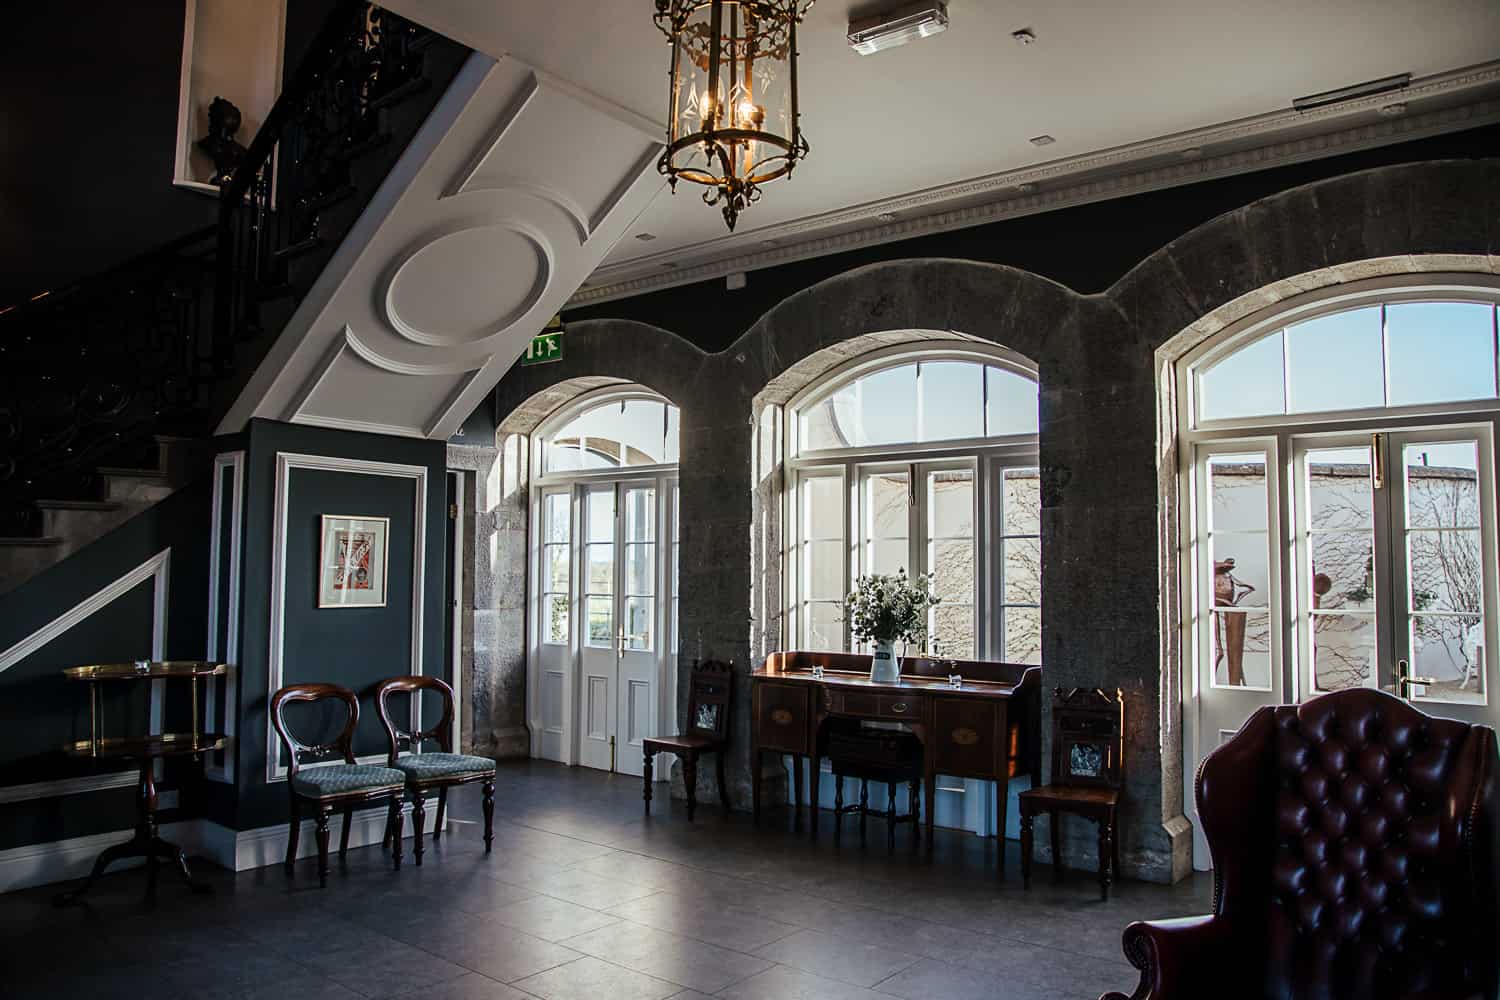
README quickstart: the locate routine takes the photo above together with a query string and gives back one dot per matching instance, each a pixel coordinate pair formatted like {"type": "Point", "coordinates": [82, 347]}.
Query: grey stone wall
{"type": "Point", "coordinates": [1108, 457]}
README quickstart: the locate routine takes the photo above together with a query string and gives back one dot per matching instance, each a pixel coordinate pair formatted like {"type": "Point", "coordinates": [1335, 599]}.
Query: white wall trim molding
{"type": "Point", "coordinates": [1137, 168]}
{"type": "Point", "coordinates": [286, 463]}
{"type": "Point", "coordinates": [228, 683]}
{"type": "Point", "coordinates": [267, 845]}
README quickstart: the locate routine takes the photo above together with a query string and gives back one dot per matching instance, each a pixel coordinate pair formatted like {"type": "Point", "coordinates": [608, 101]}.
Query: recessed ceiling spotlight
{"type": "Point", "coordinates": [1024, 37]}
{"type": "Point", "coordinates": [645, 237]}
{"type": "Point", "coordinates": [886, 216]}
{"type": "Point", "coordinates": [1041, 140]}
{"type": "Point", "coordinates": [1392, 110]}
{"type": "Point", "coordinates": [869, 35]}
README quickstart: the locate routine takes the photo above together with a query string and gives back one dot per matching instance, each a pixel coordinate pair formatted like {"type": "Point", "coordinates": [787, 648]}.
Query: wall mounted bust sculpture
{"type": "Point", "coordinates": [220, 144]}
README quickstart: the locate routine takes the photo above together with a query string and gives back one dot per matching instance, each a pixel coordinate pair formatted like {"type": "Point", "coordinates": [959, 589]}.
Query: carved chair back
{"type": "Point", "coordinates": [342, 745]}
{"type": "Point", "coordinates": [710, 695]}
{"type": "Point", "coordinates": [1088, 737]}
{"type": "Point", "coordinates": [412, 739]}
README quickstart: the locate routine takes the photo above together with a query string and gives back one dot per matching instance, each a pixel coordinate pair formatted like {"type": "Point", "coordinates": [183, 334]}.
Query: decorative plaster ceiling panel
{"type": "Point", "coordinates": [469, 285]}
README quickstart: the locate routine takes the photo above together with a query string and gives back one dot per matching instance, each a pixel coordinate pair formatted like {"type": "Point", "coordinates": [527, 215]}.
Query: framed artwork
{"type": "Point", "coordinates": [352, 565]}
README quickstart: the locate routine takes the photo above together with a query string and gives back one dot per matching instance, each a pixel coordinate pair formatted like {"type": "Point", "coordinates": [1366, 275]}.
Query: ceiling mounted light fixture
{"type": "Point", "coordinates": [732, 122]}
{"type": "Point", "coordinates": [870, 35]}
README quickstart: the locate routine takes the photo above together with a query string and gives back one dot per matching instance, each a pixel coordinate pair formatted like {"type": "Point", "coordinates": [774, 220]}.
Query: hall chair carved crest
{"type": "Point", "coordinates": [327, 787]}
{"type": "Point", "coordinates": [1088, 744]}
{"type": "Point", "coordinates": [442, 769]}
{"type": "Point", "coordinates": [1354, 842]}
{"type": "Point", "coordinates": [710, 697]}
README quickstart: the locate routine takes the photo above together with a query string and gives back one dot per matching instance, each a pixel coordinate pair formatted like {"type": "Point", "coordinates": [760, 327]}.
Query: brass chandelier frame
{"type": "Point", "coordinates": [736, 185]}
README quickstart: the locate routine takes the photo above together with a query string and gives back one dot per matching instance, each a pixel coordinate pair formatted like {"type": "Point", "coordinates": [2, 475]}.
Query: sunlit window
{"type": "Point", "coordinates": [620, 433]}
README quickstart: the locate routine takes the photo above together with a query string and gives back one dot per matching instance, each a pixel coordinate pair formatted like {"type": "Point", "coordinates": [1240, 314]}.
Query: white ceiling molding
{"type": "Point", "coordinates": [511, 194]}
{"type": "Point", "coordinates": [1258, 143]}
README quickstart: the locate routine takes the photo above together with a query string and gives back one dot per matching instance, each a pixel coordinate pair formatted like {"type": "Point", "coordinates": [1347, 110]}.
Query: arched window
{"type": "Point", "coordinates": [624, 429]}
{"type": "Point", "coordinates": [922, 460]}
{"type": "Point", "coordinates": [1340, 529]}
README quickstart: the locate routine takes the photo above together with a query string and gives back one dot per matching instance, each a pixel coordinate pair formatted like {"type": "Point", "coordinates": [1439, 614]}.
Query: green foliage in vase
{"type": "Point", "coordinates": [886, 608]}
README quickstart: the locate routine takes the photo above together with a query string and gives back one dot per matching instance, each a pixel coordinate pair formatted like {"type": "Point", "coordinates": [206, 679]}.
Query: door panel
{"type": "Point", "coordinates": [598, 665]}
{"type": "Point", "coordinates": [636, 641]}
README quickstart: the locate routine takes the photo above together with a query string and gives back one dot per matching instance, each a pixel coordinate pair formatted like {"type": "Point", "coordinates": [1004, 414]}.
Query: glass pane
{"type": "Point", "coordinates": [951, 626]}
{"type": "Point", "coordinates": [1442, 485]}
{"type": "Point", "coordinates": [886, 557]}
{"type": "Point", "coordinates": [950, 503]}
{"type": "Point", "coordinates": [640, 515]}
{"type": "Point", "coordinates": [1023, 571]}
{"type": "Point", "coordinates": [829, 423]}
{"type": "Point", "coordinates": [1336, 362]}
{"type": "Point", "coordinates": [638, 622]}
{"type": "Point", "coordinates": [1449, 648]}
{"type": "Point", "coordinates": [1251, 382]}
{"type": "Point", "coordinates": [640, 427]}
{"type": "Point", "coordinates": [1023, 635]}
{"type": "Point", "coordinates": [674, 432]}
{"type": "Point", "coordinates": [601, 568]}
{"type": "Point", "coordinates": [640, 569]}
{"type": "Point", "coordinates": [555, 568]}
{"type": "Point", "coordinates": [952, 562]}
{"type": "Point", "coordinates": [1343, 651]}
{"type": "Point", "coordinates": [1339, 487]}
{"type": "Point", "coordinates": [1440, 351]}
{"type": "Point", "coordinates": [1010, 405]}
{"type": "Point", "coordinates": [825, 625]}
{"type": "Point", "coordinates": [557, 617]}
{"type": "Point", "coordinates": [823, 507]}
{"type": "Point", "coordinates": [825, 570]}
{"type": "Point", "coordinates": [555, 518]}
{"type": "Point", "coordinates": [952, 400]}
{"type": "Point", "coordinates": [1022, 502]}
{"type": "Point", "coordinates": [886, 505]}
{"type": "Point", "coordinates": [1343, 567]}
{"type": "Point", "coordinates": [1237, 484]}
{"type": "Point", "coordinates": [601, 515]}
{"type": "Point", "coordinates": [1241, 648]}
{"type": "Point", "coordinates": [1446, 570]}
{"type": "Point", "coordinates": [1241, 569]}
{"type": "Point", "coordinates": [601, 620]}
{"type": "Point", "coordinates": [888, 406]}
{"type": "Point", "coordinates": [561, 455]}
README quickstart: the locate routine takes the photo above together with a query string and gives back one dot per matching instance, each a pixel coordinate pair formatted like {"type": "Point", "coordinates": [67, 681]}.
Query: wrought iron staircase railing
{"type": "Point", "coordinates": [162, 344]}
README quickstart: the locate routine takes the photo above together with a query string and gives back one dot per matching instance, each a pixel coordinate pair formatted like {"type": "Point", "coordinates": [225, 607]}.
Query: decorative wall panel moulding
{"type": "Point", "coordinates": [232, 462]}
{"type": "Point", "coordinates": [1059, 184]}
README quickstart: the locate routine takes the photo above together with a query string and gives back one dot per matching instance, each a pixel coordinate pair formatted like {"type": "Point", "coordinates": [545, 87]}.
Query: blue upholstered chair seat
{"type": "Point", "coordinates": [339, 779]}
{"type": "Point", "coordinates": [422, 766]}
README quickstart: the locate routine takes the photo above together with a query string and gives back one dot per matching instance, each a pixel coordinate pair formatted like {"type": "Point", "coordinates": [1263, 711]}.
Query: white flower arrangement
{"type": "Point", "coordinates": [886, 608]}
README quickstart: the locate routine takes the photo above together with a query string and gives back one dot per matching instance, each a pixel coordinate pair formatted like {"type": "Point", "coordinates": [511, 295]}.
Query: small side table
{"type": "Point", "coordinates": [147, 842]}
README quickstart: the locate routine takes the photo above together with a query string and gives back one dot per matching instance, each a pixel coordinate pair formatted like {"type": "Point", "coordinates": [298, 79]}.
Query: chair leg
{"type": "Point", "coordinates": [647, 764]}
{"type": "Point", "coordinates": [489, 814]}
{"type": "Point", "coordinates": [690, 780]}
{"type": "Point", "coordinates": [1054, 822]}
{"type": "Point", "coordinates": [1105, 852]}
{"type": "Point", "coordinates": [1028, 843]}
{"type": "Point", "coordinates": [393, 823]}
{"type": "Point", "coordinates": [418, 820]}
{"type": "Point", "coordinates": [890, 817]}
{"type": "Point", "coordinates": [838, 808]}
{"type": "Point", "coordinates": [324, 811]}
{"type": "Point", "coordinates": [1002, 807]}
{"type": "Point", "coordinates": [294, 833]}
{"type": "Point", "coordinates": [724, 784]}
{"type": "Point", "coordinates": [437, 828]}
{"type": "Point", "coordinates": [344, 833]}
{"type": "Point", "coordinates": [385, 838]}
{"type": "Point", "coordinates": [864, 808]}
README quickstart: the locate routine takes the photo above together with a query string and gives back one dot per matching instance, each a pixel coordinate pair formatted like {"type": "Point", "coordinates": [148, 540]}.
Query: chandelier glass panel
{"type": "Point", "coordinates": [733, 121]}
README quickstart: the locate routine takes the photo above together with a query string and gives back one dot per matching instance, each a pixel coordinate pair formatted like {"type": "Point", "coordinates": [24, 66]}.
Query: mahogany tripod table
{"type": "Point", "coordinates": [147, 842]}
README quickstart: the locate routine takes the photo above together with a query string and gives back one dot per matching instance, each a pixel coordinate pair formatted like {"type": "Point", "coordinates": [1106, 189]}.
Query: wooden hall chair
{"type": "Point", "coordinates": [442, 769]}
{"type": "Point", "coordinates": [710, 694]}
{"type": "Point", "coordinates": [332, 786]}
{"type": "Point", "coordinates": [1088, 740]}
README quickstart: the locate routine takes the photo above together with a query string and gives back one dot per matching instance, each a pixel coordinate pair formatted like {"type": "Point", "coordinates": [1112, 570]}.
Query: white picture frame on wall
{"type": "Point", "coordinates": [353, 563]}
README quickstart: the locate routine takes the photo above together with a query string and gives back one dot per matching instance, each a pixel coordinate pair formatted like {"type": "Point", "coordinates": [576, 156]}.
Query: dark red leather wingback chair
{"type": "Point", "coordinates": [1354, 842]}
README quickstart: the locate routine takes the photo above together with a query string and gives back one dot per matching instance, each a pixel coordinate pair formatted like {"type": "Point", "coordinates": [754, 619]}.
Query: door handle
{"type": "Point", "coordinates": [621, 639]}
{"type": "Point", "coordinates": [1405, 680]}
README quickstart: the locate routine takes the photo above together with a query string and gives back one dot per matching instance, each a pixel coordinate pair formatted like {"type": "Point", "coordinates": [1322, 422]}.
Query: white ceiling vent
{"type": "Point", "coordinates": [869, 35]}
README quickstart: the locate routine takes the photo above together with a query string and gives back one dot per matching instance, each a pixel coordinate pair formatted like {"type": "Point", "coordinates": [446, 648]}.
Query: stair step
{"type": "Point", "coordinates": [29, 542]}
{"type": "Point", "coordinates": [123, 471]}
{"type": "Point", "coordinates": [101, 505]}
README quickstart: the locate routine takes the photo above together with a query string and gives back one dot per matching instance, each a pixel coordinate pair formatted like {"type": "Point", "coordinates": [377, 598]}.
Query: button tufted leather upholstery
{"type": "Point", "coordinates": [1355, 846]}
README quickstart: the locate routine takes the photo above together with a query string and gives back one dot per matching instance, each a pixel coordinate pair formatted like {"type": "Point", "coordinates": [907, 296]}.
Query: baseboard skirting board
{"type": "Point", "coordinates": [203, 840]}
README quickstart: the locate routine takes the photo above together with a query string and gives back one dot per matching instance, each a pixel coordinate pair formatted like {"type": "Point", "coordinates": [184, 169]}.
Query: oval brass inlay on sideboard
{"type": "Point", "coordinates": [781, 717]}
{"type": "Point", "coordinates": [965, 737]}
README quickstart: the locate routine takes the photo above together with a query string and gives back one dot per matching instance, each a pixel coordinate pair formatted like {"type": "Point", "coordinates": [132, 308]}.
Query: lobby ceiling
{"type": "Point", "coordinates": [936, 134]}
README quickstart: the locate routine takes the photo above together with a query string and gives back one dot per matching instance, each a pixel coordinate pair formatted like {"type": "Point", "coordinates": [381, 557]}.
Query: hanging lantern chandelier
{"type": "Point", "coordinates": [732, 121]}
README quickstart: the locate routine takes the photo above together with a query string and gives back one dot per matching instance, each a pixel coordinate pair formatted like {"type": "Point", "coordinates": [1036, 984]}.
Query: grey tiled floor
{"type": "Point", "coordinates": [583, 898]}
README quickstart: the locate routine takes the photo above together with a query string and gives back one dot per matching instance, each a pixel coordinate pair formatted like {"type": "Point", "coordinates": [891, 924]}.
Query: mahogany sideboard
{"type": "Point", "coordinates": [988, 728]}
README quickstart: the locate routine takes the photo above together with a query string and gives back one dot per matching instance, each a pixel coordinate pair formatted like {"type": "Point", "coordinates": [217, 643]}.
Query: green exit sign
{"type": "Point", "coordinates": [545, 346]}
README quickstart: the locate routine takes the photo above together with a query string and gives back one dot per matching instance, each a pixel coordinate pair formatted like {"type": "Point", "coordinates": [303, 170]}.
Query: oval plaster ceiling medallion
{"type": "Point", "coordinates": [468, 285]}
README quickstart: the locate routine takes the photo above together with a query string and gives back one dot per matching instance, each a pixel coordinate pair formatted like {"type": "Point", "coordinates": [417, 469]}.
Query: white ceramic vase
{"type": "Point", "coordinates": [885, 666]}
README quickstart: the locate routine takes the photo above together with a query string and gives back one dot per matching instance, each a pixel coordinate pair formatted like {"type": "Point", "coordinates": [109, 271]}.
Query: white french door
{"type": "Point", "coordinates": [603, 619]}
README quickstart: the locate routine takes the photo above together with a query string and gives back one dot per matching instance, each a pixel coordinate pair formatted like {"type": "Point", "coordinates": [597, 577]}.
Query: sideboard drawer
{"type": "Point", "coordinates": [893, 706]}
{"type": "Point", "coordinates": [869, 705]}
{"type": "Point", "coordinates": [782, 713]}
